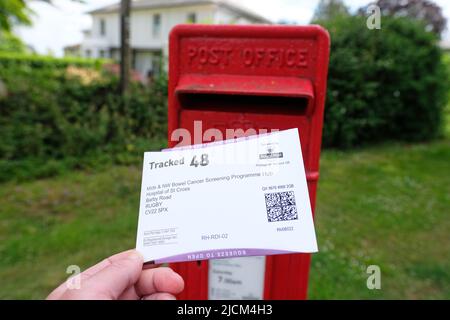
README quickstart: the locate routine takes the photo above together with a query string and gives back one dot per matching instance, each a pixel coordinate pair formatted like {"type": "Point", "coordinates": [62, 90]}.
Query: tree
{"type": "Point", "coordinates": [13, 11]}
{"type": "Point", "coordinates": [125, 54]}
{"type": "Point", "coordinates": [329, 9]}
{"type": "Point", "coordinates": [383, 86]}
{"type": "Point", "coordinates": [10, 43]}
{"type": "Point", "coordinates": [424, 10]}
{"type": "Point", "coordinates": [17, 12]}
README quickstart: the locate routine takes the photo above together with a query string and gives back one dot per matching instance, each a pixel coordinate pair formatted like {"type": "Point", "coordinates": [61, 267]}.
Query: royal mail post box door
{"type": "Point", "coordinates": [242, 80]}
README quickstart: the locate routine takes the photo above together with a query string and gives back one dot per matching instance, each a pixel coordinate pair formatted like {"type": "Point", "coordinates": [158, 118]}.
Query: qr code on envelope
{"type": "Point", "coordinates": [280, 206]}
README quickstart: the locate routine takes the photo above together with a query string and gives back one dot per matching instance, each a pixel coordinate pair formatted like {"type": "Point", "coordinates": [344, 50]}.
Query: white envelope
{"type": "Point", "coordinates": [233, 198]}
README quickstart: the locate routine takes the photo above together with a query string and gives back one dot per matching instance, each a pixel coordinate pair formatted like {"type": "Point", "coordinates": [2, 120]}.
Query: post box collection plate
{"type": "Point", "coordinates": [239, 80]}
{"type": "Point", "coordinates": [236, 279]}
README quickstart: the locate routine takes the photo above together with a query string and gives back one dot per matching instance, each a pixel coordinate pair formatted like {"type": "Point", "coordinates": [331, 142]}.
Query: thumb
{"type": "Point", "coordinates": [113, 280]}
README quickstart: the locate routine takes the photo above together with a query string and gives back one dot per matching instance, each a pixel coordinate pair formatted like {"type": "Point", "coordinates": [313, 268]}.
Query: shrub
{"type": "Point", "coordinates": [54, 111]}
{"type": "Point", "coordinates": [12, 59]}
{"type": "Point", "coordinates": [387, 84]}
{"type": "Point", "coordinates": [11, 43]}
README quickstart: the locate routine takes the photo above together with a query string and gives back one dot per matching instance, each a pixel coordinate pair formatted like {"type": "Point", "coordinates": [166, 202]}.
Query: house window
{"type": "Point", "coordinates": [156, 25]}
{"type": "Point", "coordinates": [191, 17]}
{"type": "Point", "coordinates": [88, 53]}
{"type": "Point", "coordinates": [102, 54]}
{"type": "Point", "coordinates": [102, 27]}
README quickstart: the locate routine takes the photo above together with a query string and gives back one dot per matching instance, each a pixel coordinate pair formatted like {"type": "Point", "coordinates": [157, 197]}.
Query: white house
{"type": "Point", "coordinates": [150, 24]}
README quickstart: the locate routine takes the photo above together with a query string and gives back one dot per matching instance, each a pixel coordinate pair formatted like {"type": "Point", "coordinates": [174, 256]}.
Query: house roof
{"type": "Point", "coordinates": [156, 4]}
{"type": "Point", "coordinates": [72, 47]}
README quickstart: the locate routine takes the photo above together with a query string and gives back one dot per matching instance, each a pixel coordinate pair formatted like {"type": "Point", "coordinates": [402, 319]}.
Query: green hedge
{"type": "Point", "coordinates": [11, 60]}
{"type": "Point", "coordinates": [388, 84]}
{"type": "Point", "coordinates": [51, 120]}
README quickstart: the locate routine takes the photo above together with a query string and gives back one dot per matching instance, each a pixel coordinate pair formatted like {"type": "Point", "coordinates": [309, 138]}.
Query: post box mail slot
{"type": "Point", "coordinates": [252, 94]}
{"type": "Point", "coordinates": [243, 79]}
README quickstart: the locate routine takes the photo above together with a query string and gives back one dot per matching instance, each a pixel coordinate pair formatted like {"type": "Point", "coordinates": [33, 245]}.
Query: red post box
{"type": "Point", "coordinates": [250, 77]}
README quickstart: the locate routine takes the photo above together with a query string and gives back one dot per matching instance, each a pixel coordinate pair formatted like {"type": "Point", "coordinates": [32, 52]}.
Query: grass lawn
{"type": "Point", "coordinates": [387, 205]}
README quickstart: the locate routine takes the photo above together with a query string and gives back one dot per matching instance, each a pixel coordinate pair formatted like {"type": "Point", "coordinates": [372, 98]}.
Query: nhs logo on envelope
{"type": "Point", "coordinates": [271, 154]}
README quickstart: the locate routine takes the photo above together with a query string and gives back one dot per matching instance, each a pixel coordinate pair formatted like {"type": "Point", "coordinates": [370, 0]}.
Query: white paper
{"type": "Point", "coordinates": [236, 279]}
{"type": "Point", "coordinates": [244, 197]}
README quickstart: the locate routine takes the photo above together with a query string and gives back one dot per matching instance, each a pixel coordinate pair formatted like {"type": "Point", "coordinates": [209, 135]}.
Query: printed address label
{"type": "Point", "coordinates": [236, 198]}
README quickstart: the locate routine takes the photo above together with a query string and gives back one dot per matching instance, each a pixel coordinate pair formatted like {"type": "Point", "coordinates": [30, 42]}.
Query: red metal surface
{"type": "Point", "coordinates": [260, 77]}
{"type": "Point", "coordinates": [245, 85]}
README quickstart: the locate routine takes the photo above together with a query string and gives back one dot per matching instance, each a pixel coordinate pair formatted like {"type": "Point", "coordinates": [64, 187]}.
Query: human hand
{"type": "Point", "coordinates": [121, 277]}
